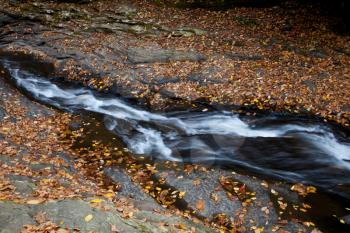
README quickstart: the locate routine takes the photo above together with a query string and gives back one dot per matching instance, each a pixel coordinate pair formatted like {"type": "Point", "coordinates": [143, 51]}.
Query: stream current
{"type": "Point", "coordinates": [295, 149]}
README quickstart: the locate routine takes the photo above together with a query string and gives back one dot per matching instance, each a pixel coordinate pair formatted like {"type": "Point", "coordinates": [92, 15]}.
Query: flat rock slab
{"type": "Point", "coordinates": [13, 216]}
{"type": "Point", "coordinates": [205, 193]}
{"type": "Point", "coordinates": [152, 55]}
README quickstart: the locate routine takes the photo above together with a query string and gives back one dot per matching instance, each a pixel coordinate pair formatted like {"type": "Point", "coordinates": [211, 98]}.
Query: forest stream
{"type": "Point", "coordinates": [290, 148]}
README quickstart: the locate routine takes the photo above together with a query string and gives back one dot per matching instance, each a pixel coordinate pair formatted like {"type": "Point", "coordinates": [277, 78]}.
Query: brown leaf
{"type": "Point", "coordinates": [62, 230]}
{"type": "Point", "coordinates": [181, 226]}
{"type": "Point", "coordinates": [200, 204]}
{"type": "Point", "coordinates": [40, 217]}
{"type": "Point", "coordinates": [35, 201]}
{"type": "Point", "coordinates": [114, 228]}
{"type": "Point", "coordinates": [196, 182]}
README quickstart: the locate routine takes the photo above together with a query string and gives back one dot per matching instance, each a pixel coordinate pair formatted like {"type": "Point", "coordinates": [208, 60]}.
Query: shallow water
{"type": "Point", "coordinates": [292, 149]}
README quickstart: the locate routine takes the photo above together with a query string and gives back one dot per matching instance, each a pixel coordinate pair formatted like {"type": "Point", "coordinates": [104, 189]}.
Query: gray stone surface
{"type": "Point", "coordinates": [132, 190]}
{"type": "Point", "coordinates": [14, 216]}
{"type": "Point", "coordinates": [151, 55]}
{"type": "Point", "coordinates": [2, 113]}
{"type": "Point", "coordinates": [24, 187]}
{"type": "Point", "coordinates": [209, 185]}
{"type": "Point", "coordinates": [71, 214]}
{"type": "Point", "coordinates": [4, 19]}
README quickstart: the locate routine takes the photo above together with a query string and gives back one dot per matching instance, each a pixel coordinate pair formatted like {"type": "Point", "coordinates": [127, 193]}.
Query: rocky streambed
{"type": "Point", "coordinates": [118, 163]}
{"type": "Point", "coordinates": [203, 164]}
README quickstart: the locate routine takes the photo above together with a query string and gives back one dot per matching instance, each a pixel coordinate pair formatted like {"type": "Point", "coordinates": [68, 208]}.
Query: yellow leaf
{"type": "Point", "coordinates": [308, 224]}
{"type": "Point", "coordinates": [200, 204]}
{"type": "Point", "coordinates": [88, 218]}
{"type": "Point", "coordinates": [35, 201]}
{"type": "Point", "coordinates": [96, 201]}
{"type": "Point", "coordinates": [109, 195]}
{"type": "Point", "coordinates": [181, 226]}
{"type": "Point", "coordinates": [181, 194]}
{"type": "Point", "coordinates": [311, 189]}
{"type": "Point", "coordinates": [46, 180]}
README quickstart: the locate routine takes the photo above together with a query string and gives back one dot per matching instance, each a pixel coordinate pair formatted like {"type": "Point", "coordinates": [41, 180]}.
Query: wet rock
{"type": "Point", "coordinates": [4, 19]}
{"type": "Point", "coordinates": [4, 159]}
{"type": "Point", "coordinates": [315, 53]}
{"type": "Point", "coordinates": [310, 84]}
{"type": "Point", "coordinates": [120, 27]}
{"type": "Point", "coordinates": [34, 110]}
{"type": "Point", "coordinates": [127, 10]}
{"type": "Point", "coordinates": [137, 29]}
{"type": "Point", "coordinates": [343, 51]}
{"type": "Point", "coordinates": [346, 108]}
{"type": "Point", "coordinates": [18, 178]}
{"type": "Point", "coordinates": [41, 166]}
{"type": "Point", "coordinates": [2, 114]}
{"type": "Point", "coordinates": [160, 80]}
{"type": "Point", "coordinates": [206, 194]}
{"type": "Point", "coordinates": [189, 31]}
{"type": "Point", "coordinates": [24, 188]}
{"type": "Point", "coordinates": [167, 94]}
{"type": "Point", "coordinates": [205, 191]}
{"type": "Point", "coordinates": [121, 127]}
{"type": "Point", "coordinates": [152, 55]}
{"type": "Point", "coordinates": [129, 188]}
{"type": "Point", "coordinates": [63, 210]}
{"type": "Point", "coordinates": [14, 216]}
{"type": "Point", "coordinates": [323, 75]}
{"type": "Point", "coordinates": [318, 53]}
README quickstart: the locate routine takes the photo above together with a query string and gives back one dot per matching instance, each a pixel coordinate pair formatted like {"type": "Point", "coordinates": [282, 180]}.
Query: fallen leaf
{"type": "Point", "coordinates": [40, 217]}
{"type": "Point", "coordinates": [62, 230]}
{"type": "Point", "coordinates": [200, 204]}
{"type": "Point", "coordinates": [181, 194]}
{"type": "Point", "coordinates": [96, 201]}
{"type": "Point", "coordinates": [274, 192]}
{"type": "Point", "coordinates": [35, 201]}
{"type": "Point", "coordinates": [181, 226]}
{"type": "Point", "coordinates": [214, 197]}
{"type": "Point", "coordinates": [88, 218]}
{"type": "Point", "coordinates": [311, 189]}
{"type": "Point", "coordinates": [299, 188]}
{"type": "Point", "coordinates": [196, 182]}
{"type": "Point", "coordinates": [109, 194]}
{"type": "Point", "coordinates": [114, 228]}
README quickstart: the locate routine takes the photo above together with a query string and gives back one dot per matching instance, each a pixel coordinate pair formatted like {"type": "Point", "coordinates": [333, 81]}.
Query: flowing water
{"type": "Point", "coordinates": [294, 149]}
